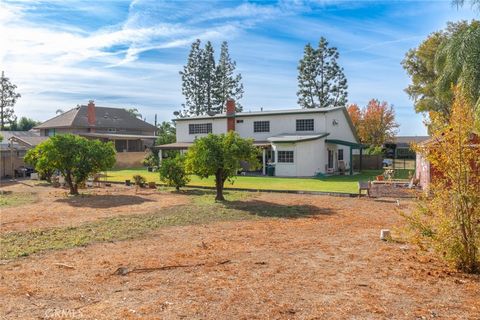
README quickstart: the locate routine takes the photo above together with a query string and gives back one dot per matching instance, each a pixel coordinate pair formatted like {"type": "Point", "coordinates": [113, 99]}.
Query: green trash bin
{"type": "Point", "coordinates": [271, 170]}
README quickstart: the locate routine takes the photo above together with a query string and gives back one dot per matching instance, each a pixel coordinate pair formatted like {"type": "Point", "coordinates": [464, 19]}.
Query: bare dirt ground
{"type": "Point", "coordinates": [329, 265]}
{"type": "Point", "coordinates": [53, 208]}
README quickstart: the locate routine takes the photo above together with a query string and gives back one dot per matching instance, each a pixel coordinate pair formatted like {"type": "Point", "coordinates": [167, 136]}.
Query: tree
{"type": "Point", "coordinates": [1, 138]}
{"type": "Point", "coordinates": [375, 124]}
{"type": "Point", "coordinates": [207, 85]}
{"type": "Point", "coordinates": [192, 86]}
{"type": "Point", "coordinates": [227, 84]}
{"type": "Point", "coordinates": [221, 156]}
{"type": "Point", "coordinates": [8, 98]}
{"type": "Point", "coordinates": [75, 157]}
{"type": "Point", "coordinates": [449, 218]}
{"type": "Point", "coordinates": [172, 172]}
{"type": "Point", "coordinates": [474, 4]}
{"type": "Point", "coordinates": [321, 81]}
{"type": "Point", "coordinates": [25, 124]}
{"type": "Point", "coordinates": [133, 111]}
{"type": "Point", "coordinates": [446, 58]}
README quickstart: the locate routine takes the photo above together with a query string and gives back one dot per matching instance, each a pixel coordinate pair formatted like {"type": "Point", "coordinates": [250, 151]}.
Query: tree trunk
{"type": "Point", "coordinates": [73, 187]}
{"type": "Point", "coordinates": [219, 185]}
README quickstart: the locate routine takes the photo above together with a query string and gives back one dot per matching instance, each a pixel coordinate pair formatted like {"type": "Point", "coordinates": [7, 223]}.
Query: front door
{"type": "Point", "coordinates": [330, 159]}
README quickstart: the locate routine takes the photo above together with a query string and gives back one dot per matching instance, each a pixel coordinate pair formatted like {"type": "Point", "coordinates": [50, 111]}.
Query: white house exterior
{"type": "Point", "coordinates": [298, 142]}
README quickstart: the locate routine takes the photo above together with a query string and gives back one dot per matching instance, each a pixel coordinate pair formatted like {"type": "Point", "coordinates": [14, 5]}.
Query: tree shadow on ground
{"type": "Point", "coordinates": [276, 210]}
{"type": "Point", "coordinates": [103, 201]}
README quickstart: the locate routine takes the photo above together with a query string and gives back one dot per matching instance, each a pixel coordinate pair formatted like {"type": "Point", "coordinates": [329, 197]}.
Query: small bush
{"type": "Point", "coordinates": [172, 172]}
{"type": "Point", "coordinates": [139, 180]}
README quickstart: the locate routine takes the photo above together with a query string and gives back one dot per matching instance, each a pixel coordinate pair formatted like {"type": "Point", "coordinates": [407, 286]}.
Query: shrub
{"type": "Point", "coordinates": [172, 172]}
{"type": "Point", "coordinates": [448, 218]}
{"type": "Point", "coordinates": [150, 160]}
{"type": "Point", "coordinates": [139, 180]}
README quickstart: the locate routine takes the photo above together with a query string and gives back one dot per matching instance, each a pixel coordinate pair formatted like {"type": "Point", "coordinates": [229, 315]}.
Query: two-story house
{"type": "Point", "coordinates": [130, 135]}
{"type": "Point", "coordinates": [299, 142]}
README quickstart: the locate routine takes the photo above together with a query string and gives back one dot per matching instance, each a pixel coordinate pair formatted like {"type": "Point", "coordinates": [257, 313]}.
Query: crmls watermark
{"type": "Point", "coordinates": [57, 313]}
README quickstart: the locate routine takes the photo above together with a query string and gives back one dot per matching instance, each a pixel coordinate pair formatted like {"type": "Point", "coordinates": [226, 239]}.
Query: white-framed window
{"type": "Point", "coordinates": [198, 128]}
{"type": "Point", "coordinates": [285, 156]}
{"type": "Point", "coordinates": [261, 126]}
{"type": "Point", "coordinates": [305, 125]}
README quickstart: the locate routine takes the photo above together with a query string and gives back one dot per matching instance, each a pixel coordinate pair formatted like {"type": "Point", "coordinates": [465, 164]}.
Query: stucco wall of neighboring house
{"type": "Point", "coordinates": [129, 159]}
{"type": "Point", "coordinates": [422, 170]}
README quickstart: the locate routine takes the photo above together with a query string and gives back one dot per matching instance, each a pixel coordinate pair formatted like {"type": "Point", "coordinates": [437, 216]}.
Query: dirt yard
{"type": "Point", "coordinates": [325, 263]}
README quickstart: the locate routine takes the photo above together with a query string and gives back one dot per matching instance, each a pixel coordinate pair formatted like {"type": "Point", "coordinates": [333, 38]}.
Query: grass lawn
{"type": "Point", "coordinates": [345, 184]}
{"type": "Point", "coordinates": [9, 199]}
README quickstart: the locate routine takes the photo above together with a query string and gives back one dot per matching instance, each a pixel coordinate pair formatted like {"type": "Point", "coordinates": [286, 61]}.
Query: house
{"type": "Point", "coordinates": [13, 149]}
{"type": "Point", "coordinates": [130, 135]}
{"type": "Point", "coordinates": [298, 142]}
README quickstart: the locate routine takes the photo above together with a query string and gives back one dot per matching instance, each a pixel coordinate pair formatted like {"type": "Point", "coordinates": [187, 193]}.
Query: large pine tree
{"type": "Point", "coordinates": [8, 98]}
{"type": "Point", "coordinates": [321, 81]}
{"type": "Point", "coordinates": [207, 85]}
{"type": "Point", "coordinates": [227, 84]}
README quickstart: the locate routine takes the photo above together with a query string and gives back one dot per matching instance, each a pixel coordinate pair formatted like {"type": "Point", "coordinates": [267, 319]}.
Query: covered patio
{"type": "Point", "coordinates": [352, 146]}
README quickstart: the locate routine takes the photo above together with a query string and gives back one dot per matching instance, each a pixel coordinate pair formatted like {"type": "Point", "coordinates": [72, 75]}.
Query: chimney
{"type": "Point", "coordinates": [91, 117]}
{"type": "Point", "coordinates": [230, 115]}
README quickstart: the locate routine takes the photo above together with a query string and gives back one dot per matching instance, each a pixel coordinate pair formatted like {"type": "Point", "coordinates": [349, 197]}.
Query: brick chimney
{"type": "Point", "coordinates": [91, 117]}
{"type": "Point", "coordinates": [230, 115]}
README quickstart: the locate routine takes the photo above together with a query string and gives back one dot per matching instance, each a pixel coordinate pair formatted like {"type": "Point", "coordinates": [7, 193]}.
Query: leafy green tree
{"type": "Point", "coordinates": [208, 77]}
{"type": "Point", "coordinates": [166, 133]}
{"type": "Point", "coordinates": [172, 172]}
{"type": "Point", "coordinates": [25, 124]}
{"type": "Point", "coordinates": [8, 98]}
{"type": "Point", "coordinates": [227, 84]}
{"type": "Point", "coordinates": [75, 157]}
{"type": "Point", "coordinates": [321, 81]}
{"type": "Point", "coordinates": [1, 138]}
{"type": "Point", "coordinates": [445, 59]}
{"type": "Point", "coordinates": [220, 156]}
{"type": "Point", "coordinates": [133, 111]}
{"type": "Point", "coordinates": [474, 4]}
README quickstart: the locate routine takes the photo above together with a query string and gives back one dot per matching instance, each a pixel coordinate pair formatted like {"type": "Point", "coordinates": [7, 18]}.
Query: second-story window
{"type": "Point", "coordinates": [304, 124]}
{"type": "Point", "coordinates": [261, 126]}
{"type": "Point", "coordinates": [198, 128]}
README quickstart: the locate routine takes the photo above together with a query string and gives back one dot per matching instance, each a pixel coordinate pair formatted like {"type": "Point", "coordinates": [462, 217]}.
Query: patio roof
{"type": "Point", "coordinates": [286, 138]}
{"type": "Point", "coordinates": [353, 145]}
{"type": "Point", "coordinates": [114, 136]}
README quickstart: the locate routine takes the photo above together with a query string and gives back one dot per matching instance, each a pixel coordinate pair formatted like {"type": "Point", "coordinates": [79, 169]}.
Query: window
{"type": "Point", "coordinates": [240, 121]}
{"type": "Point", "coordinates": [196, 128]}
{"type": "Point", "coordinates": [304, 124]}
{"type": "Point", "coordinates": [261, 126]}
{"type": "Point", "coordinates": [285, 156]}
{"type": "Point", "coordinates": [340, 154]}
{"type": "Point", "coordinates": [50, 132]}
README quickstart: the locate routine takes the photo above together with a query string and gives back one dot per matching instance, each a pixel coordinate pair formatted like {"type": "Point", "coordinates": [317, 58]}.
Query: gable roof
{"type": "Point", "coordinates": [105, 118]}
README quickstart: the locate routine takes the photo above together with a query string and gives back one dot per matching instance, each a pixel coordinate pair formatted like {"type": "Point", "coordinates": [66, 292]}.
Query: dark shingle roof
{"type": "Point", "coordinates": [105, 118]}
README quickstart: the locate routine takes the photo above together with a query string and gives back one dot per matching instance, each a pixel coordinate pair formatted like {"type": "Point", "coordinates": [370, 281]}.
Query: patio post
{"type": "Point", "coordinates": [351, 162]}
{"type": "Point", "coordinates": [263, 161]}
{"type": "Point", "coordinates": [361, 156]}
{"type": "Point", "coordinates": [160, 156]}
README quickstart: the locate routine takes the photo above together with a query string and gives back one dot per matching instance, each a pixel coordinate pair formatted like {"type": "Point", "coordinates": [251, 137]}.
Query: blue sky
{"type": "Point", "coordinates": [129, 53]}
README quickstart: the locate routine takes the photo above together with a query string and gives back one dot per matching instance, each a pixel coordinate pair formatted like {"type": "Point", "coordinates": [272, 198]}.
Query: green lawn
{"type": "Point", "coordinates": [345, 184]}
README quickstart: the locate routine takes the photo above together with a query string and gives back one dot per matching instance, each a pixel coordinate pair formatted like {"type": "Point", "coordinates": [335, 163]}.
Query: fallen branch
{"type": "Point", "coordinates": [123, 271]}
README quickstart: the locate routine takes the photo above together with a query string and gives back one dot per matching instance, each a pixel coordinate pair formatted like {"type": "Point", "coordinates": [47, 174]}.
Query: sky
{"type": "Point", "coordinates": [129, 53]}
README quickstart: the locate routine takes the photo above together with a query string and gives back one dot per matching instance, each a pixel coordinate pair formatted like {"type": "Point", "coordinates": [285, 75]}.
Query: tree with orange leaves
{"type": "Point", "coordinates": [375, 123]}
{"type": "Point", "coordinates": [448, 218]}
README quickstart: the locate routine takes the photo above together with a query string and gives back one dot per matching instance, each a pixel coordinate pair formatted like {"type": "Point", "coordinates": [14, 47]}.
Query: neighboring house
{"type": "Point", "coordinates": [401, 147]}
{"type": "Point", "coordinates": [130, 135]}
{"type": "Point", "coordinates": [299, 142]}
{"type": "Point", "coordinates": [14, 147]}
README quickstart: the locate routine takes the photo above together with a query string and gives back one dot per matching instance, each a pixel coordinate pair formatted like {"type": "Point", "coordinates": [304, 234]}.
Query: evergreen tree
{"type": "Point", "coordinates": [8, 98]}
{"type": "Point", "coordinates": [192, 87]}
{"type": "Point", "coordinates": [208, 77]}
{"type": "Point", "coordinates": [321, 81]}
{"type": "Point", "coordinates": [207, 85]}
{"type": "Point", "coordinates": [227, 84]}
